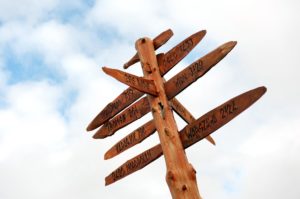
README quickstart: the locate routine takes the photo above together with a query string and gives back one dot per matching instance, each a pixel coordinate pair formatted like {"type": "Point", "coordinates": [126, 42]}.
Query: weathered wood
{"type": "Point", "coordinates": [126, 98]}
{"type": "Point", "coordinates": [196, 131]}
{"type": "Point", "coordinates": [129, 115]}
{"type": "Point", "coordinates": [219, 116]}
{"type": "Point", "coordinates": [181, 50]}
{"type": "Point", "coordinates": [139, 83]}
{"type": "Point", "coordinates": [191, 73]}
{"type": "Point", "coordinates": [158, 41]}
{"type": "Point", "coordinates": [134, 164]}
{"type": "Point", "coordinates": [130, 95]}
{"type": "Point", "coordinates": [147, 129]}
{"type": "Point", "coordinates": [137, 136]}
{"type": "Point", "coordinates": [181, 176]}
{"type": "Point", "coordinates": [186, 115]}
{"type": "Point", "coordinates": [196, 70]}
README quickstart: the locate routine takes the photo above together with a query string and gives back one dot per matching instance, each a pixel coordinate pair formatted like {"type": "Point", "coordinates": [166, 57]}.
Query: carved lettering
{"type": "Point", "coordinates": [202, 126]}
{"type": "Point", "coordinates": [133, 112]}
{"type": "Point", "coordinates": [141, 132]}
{"type": "Point", "coordinates": [111, 107]}
{"type": "Point", "coordinates": [195, 68]}
{"type": "Point", "coordinates": [130, 79]}
{"type": "Point", "coordinates": [135, 163]}
{"type": "Point", "coordinates": [126, 142]}
{"type": "Point", "coordinates": [180, 80]}
{"type": "Point", "coordinates": [118, 174]}
{"type": "Point", "coordinates": [115, 122]}
{"type": "Point", "coordinates": [136, 81]}
{"type": "Point", "coordinates": [228, 109]}
{"type": "Point", "coordinates": [128, 94]}
{"type": "Point", "coordinates": [187, 45]}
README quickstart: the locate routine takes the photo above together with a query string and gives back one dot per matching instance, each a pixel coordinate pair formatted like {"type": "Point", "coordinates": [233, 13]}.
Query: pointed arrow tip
{"type": "Point", "coordinates": [227, 47]}
{"type": "Point", "coordinates": [263, 90]}
{"type": "Point", "coordinates": [99, 134]}
{"type": "Point", "coordinates": [89, 128]}
{"type": "Point", "coordinates": [92, 126]}
{"type": "Point", "coordinates": [107, 156]}
{"type": "Point", "coordinates": [105, 69]}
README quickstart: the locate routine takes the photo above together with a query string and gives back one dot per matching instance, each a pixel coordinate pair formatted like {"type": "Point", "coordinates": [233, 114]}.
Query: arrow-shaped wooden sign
{"type": "Point", "coordinates": [160, 100]}
{"type": "Point", "coordinates": [144, 131]}
{"type": "Point", "coordinates": [139, 83]}
{"type": "Point", "coordinates": [192, 133]}
{"type": "Point", "coordinates": [130, 95]}
{"type": "Point", "coordinates": [174, 86]}
{"type": "Point", "coordinates": [129, 115]}
{"type": "Point", "coordinates": [158, 41]}
{"type": "Point", "coordinates": [132, 139]}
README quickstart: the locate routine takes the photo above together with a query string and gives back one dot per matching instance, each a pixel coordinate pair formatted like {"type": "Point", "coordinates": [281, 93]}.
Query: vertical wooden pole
{"type": "Point", "coordinates": [181, 176]}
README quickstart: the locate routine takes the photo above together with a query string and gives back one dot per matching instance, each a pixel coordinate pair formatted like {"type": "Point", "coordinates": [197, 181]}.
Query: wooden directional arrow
{"type": "Point", "coordinates": [129, 115]}
{"type": "Point", "coordinates": [144, 131]}
{"type": "Point", "coordinates": [186, 115]}
{"type": "Point", "coordinates": [192, 133]}
{"type": "Point", "coordinates": [158, 41]}
{"type": "Point", "coordinates": [139, 83]}
{"type": "Point", "coordinates": [196, 70]}
{"type": "Point", "coordinates": [130, 95]}
{"type": "Point", "coordinates": [181, 50]}
{"type": "Point", "coordinates": [126, 98]}
{"type": "Point", "coordinates": [132, 139]}
{"type": "Point", "coordinates": [179, 82]}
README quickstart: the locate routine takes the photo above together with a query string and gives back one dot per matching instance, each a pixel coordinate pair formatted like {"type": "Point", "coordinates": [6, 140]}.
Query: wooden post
{"type": "Point", "coordinates": [181, 176]}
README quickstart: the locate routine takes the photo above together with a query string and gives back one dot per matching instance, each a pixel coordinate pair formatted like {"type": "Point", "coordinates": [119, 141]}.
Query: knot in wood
{"type": "Point", "coordinates": [184, 187]}
{"type": "Point", "coordinates": [170, 175]}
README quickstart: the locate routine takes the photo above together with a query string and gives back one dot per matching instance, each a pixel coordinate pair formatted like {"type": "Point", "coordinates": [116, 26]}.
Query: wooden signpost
{"type": "Point", "coordinates": [160, 100]}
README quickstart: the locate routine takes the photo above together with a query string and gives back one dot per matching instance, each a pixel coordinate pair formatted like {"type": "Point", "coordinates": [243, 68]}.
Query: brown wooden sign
{"type": "Point", "coordinates": [192, 133]}
{"type": "Point", "coordinates": [174, 86]}
{"type": "Point", "coordinates": [128, 96]}
{"type": "Point", "coordinates": [160, 100]}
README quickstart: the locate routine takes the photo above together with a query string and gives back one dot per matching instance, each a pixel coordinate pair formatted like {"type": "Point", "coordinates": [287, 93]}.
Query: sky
{"type": "Point", "coordinates": [52, 86]}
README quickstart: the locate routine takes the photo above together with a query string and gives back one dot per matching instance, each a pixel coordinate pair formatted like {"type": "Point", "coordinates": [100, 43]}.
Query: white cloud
{"type": "Point", "coordinates": [45, 153]}
{"type": "Point", "coordinates": [25, 9]}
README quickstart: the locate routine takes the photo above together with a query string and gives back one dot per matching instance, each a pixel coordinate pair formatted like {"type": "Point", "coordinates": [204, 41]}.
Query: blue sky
{"type": "Point", "coordinates": [52, 85]}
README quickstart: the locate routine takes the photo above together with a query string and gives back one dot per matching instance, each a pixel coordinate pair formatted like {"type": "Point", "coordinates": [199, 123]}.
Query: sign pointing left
{"type": "Point", "coordinates": [139, 83]}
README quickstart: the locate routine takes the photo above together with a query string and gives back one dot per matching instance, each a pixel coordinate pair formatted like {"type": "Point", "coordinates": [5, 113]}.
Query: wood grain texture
{"type": "Point", "coordinates": [196, 131]}
{"type": "Point", "coordinates": [180, 50]}
{"type": "Point", "coordinates": [186, 115]}
{"type": "Point", "coordinates": [196, 70]}
{"type": "Point", "coordinates": [182, 80]}
{"type": "Point", "coordinates": [129, 115]}
{"type": "Point", "coordinates": [139, 83]}
{"type": "Point", "coordinates": [158, 41]}
{"type": "Point", "coordinates": [135, 137]}
{"type": "Point", "coordinates": [130, 95]}
{"type": "Point", "coordinates": [180, 177]}
{"type": "Point", "coordinates": [126, 98]}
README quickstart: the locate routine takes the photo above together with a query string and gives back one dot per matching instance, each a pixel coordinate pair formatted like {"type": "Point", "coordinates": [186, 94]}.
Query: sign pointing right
{"type": "Point", "coordinates": [192, 133]}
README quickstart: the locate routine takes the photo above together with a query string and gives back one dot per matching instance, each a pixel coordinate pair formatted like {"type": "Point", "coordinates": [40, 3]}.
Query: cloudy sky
{"type": "Point", "coordinates": [51, 86]}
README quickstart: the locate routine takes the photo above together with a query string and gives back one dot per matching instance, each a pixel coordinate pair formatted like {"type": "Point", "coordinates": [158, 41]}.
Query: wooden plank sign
{"type": "Point", "coordinates": [161, 102]}
{"type": "Point", "coordinates": [192, 133]}
{"type": "Point", "coordinates": [173, 86]}
{"type": "Point", "coordinates": [130, 95]}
